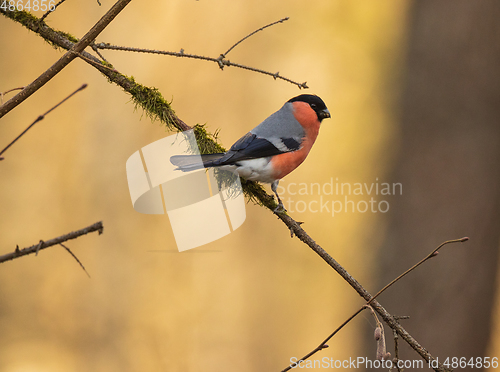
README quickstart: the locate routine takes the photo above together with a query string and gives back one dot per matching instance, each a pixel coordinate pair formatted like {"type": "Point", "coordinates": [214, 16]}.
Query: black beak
{"type": "Point", "coordinates": [323, 114]}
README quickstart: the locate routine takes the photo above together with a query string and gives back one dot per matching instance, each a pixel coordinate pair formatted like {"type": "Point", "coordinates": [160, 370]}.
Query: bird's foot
{"type": "Point", "coordinates": [280, 208]}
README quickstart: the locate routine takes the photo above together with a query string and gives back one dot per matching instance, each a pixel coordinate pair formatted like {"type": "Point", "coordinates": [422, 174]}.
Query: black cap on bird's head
{"type": "Point", "coordinates": [316, 104]}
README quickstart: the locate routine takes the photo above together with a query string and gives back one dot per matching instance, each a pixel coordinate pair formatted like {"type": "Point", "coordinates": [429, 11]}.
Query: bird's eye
{"type": "Point", "coordinates": [313, 105]}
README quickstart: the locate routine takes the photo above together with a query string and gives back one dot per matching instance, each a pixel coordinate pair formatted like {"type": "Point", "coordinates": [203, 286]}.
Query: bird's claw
{"type": "Point", "coordinates": [279, 209]}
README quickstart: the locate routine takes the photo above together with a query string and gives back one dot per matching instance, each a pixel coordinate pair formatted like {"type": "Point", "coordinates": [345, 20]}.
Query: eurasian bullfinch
{"type": "Point", "coordinates": [272, 149]}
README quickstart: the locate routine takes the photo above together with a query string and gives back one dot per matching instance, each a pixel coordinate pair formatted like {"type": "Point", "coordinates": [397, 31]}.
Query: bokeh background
{"type": "Point", "coordinates": [413, 88]}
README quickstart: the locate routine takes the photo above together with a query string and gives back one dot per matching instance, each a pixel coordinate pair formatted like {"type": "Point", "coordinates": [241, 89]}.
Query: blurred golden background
{"type": "Point", "coordinates": [255, 298]}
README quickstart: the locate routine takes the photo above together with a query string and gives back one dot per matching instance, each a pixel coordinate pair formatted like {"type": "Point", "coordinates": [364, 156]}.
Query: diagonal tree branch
{"type": "Point", "coordinates": [40, 118]}
{"type": "Point", "coordinates": [65, 59]}
{"type": "Point", "coordinates": [49, 243]}
{"type": "Point", "coordinates": [149, 99]}
{"type": "Point", "coordinates": [323, 345]}
{"type": "Point", "coordinates": [385, 315]}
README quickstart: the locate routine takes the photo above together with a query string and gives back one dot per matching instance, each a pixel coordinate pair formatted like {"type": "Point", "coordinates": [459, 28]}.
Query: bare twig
{"type": "Point", "coordinates": [324, 345]}
{"type": "Point", "coordinates": [253, 33]}
{"type": "Point", "coordinates": [53, 10]}
{"type": "Point", "coordinates": [98, 64]}
{"type": "Point", "coordinates": [95, 49]}
{"type": "Point", "coordinates": [221, 61]}
{"type": "Point", "coordinates": [430, 255]}
{"type": "Point", "coordinates": [65, 59]}
{"type": "Point", "coordinates": [49, 243]}
{"type": "Point", "coordinates": [76, 258]}
{"type": "Point", "coordinates": [8, 91]}
{"type": "Point", "coordinates": [396, 350]}
{"type": "Point", "coordinates": [41, 117]}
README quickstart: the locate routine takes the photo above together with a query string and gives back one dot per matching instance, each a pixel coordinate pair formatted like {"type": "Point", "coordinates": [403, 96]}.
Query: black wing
{"type": "Point", "coordinates": [252, 147]}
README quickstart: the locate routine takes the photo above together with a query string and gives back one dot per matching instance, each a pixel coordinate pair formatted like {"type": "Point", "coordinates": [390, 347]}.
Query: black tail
{"type": "Point", "coordinates": [187, 163]}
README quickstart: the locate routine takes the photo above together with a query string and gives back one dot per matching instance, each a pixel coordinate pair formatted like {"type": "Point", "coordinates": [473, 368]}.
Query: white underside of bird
{"type": "Point", "coordinates": [259, 170]}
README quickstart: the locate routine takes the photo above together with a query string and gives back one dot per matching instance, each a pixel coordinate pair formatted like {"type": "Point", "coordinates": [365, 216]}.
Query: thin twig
{"type": "Point", "coordinates": [65, 59]}
{"type": "Point", "coordinates": [41, 117]}
{"type": "Point", "coordinates": [94, 63]}
{"type": "Point", "coordinates": [324, 345]}
{"type": "Point", "coordinates": [253, 33]}
{"type": "Point", "coordinates": [95, 49]}
{"type": "Point", "coordinates": [8, 91]}
{"type": "Point", "coordinates": [276, 75]}
{"type": "Point", "coordinates": [53, 10]}
{"type": "Point", "coordinates": [430, 255]}
{"type": "Point", "coordinates": [221, 61]}
{"type": "Point", "coordinates": [49, 243]}
{"type": "Point", "coordinates": [76, 258]}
